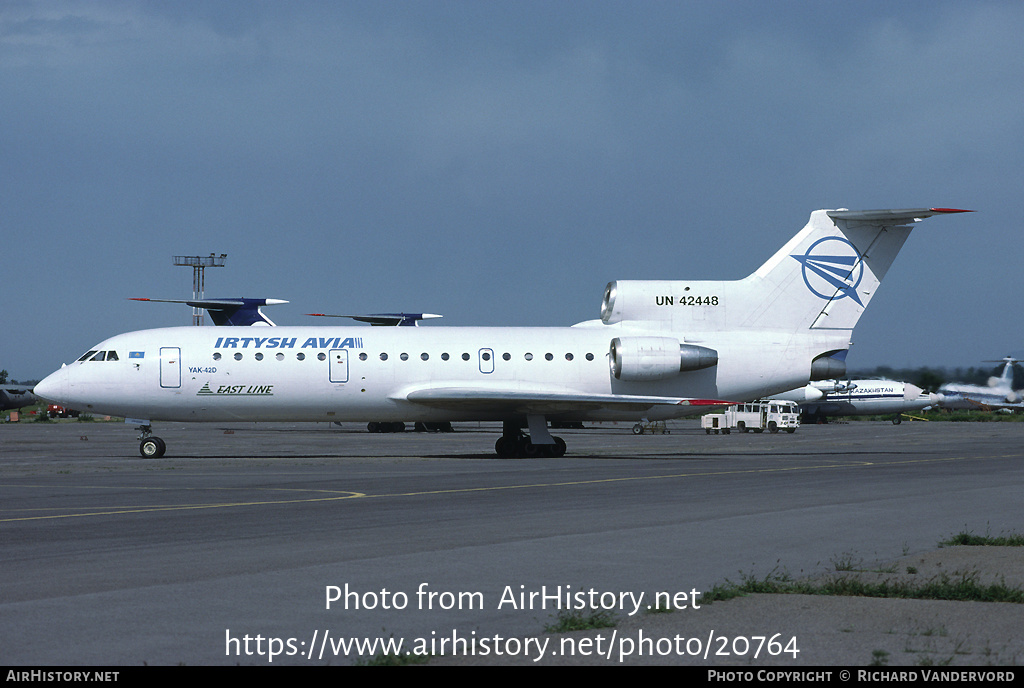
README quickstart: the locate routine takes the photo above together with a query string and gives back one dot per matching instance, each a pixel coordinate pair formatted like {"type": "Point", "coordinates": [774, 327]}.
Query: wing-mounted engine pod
{"type": "Point", "coordinates": [656, 358]}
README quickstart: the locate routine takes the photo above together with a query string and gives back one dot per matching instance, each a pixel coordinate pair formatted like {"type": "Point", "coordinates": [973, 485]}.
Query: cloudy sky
{"type": "Point", "coordinates": [498, 162]}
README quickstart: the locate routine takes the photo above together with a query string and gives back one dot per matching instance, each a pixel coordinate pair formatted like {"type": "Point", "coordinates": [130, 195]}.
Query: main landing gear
{"type": "Point", "coordinates": [513, 444]}
{"type": "Point", "coordinates": [150, 447]}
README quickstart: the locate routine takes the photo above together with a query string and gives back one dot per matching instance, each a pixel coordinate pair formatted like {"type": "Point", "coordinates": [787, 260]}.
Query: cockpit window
{"type": "Point", "coordinates": [100, 356]}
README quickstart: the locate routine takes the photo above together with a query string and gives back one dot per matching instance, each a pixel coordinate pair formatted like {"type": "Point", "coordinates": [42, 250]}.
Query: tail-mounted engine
{"type": "Point", "coordinates": [829, 365]}
{"type": "Point", "coordinates": [656, 358]}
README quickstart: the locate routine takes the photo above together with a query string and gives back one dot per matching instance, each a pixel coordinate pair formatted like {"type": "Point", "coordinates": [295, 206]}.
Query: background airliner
{"type": "Point", "coordinates": [16, 397]}
{"type": "Point", "coordinates": [249, 312]}
{"type": "Point", "coordinates": [229, 312]}
{"type": "Point", "coordinates": [858, 398]}
{"type": "Point", "coordinates": [661, 349]}
{"type": "Point", "coordinates": [999, 393]}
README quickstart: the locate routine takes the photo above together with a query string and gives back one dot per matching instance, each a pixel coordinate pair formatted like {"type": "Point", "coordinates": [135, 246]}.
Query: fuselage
{"type": "Point", "coordinates": [962, 396]}
{"type": "Point", "coordinates": [363, 374]}
{"type": "Point", "coordinates": [870, 397]}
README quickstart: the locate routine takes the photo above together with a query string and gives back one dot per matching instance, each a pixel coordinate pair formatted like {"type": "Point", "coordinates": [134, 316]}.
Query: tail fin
{"type": "Point", "coordinates": [826, 275]}
{"type": "Point", "coordinates": [822, 279]}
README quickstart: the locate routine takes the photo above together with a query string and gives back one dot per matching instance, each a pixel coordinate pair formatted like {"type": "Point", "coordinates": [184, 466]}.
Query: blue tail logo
{"type": "Point", "coordinates": [832, 269]}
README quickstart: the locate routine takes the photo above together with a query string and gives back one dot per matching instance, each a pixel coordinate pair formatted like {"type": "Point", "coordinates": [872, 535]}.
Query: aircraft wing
{"type": "Point", "coordinates": [385, 319]}
{"type": "Point", "coordinates": [223, 312]}
{"type": "Point", "coordinates": [544, 402]}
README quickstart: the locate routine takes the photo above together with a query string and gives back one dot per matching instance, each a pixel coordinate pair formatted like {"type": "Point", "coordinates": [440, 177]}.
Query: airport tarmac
{"type": "Point", "coordinates": [227, 550]}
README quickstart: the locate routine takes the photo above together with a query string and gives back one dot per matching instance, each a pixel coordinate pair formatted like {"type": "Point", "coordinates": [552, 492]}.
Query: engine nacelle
{"type": "Point", "coordinates": [656, 358]}
{"type": "Point", "coordinates": [829, 365]}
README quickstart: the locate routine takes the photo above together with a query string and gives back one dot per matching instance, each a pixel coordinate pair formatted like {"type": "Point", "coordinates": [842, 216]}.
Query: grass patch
{"type": "Point", "coordinates": [967, 538]}
{"type": "Point", "coordinates": [879, 658]}
{"type": "Point", "coordinates": [581, 621]}
{"type": "Point", "coordinates": [957, 587]}
{"type": "Point", "coordinates": [771, 583]}
{"type": "Point", "coordinates": [392, 659]}
{"type": "Point", "coordinates": [660, 607]}
{"type": "Point", "coordinates": [846, 562]}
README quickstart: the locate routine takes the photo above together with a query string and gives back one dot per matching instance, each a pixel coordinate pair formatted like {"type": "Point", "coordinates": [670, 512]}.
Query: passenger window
{"type": "Point", "coordinates": [216, 356]}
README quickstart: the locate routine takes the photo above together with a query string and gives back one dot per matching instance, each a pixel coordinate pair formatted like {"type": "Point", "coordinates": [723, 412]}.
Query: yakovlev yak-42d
{"type": "Point", "coordinates": [661, 349]}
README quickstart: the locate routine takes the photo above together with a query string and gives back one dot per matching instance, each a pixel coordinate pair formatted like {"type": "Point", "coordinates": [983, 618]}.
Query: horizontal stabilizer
{"type": "Point", "coordinates": [891, 217]}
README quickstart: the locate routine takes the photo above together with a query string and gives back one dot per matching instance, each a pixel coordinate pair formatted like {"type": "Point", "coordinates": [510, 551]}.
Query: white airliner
{"type": "Point", "coordinates": [824, 398]}
{"type": "Point", "coordinates": [662, 349]}
{"type": "Point", "coordinates": [998, 394]}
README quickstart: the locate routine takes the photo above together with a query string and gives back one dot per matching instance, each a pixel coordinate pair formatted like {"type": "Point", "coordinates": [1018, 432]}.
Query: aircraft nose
{"type": "Point", "coordinates": [911, 392]}
{"type": "Point", "coordinates": [54, 386]}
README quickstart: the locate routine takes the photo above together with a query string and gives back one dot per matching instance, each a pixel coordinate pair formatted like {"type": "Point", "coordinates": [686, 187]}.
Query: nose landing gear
{"type": "Point", "coordinates": [150, 447]}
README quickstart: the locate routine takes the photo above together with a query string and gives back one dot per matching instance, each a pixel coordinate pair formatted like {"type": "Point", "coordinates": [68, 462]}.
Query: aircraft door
{"type": "Point", "coordinates": [339, 365]}
{"type": "Point", "coordinates": [486, 360]}
{"type": "Point", "coordinates": [170, 367]}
